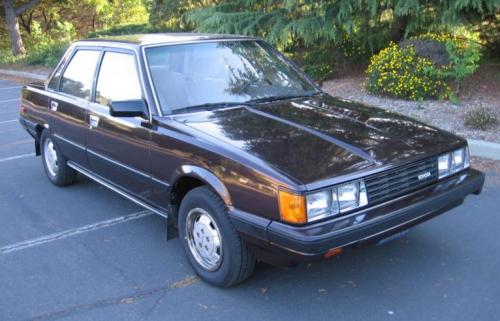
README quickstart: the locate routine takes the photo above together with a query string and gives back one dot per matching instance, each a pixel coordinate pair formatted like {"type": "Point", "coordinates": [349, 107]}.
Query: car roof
{"type": "Point", "coordinates": [162, 38]}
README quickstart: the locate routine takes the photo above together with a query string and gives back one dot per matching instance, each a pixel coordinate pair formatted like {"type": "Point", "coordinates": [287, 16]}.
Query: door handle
{"type": "Point", "coordinates": [93, 121]}
{"type": "Point", "coordinates": [53, 105]}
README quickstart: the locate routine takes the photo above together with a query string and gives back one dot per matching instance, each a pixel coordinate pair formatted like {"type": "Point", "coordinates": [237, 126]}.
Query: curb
{"type": "Point", "coordinates": [485, 149]}
{"type": "Point", "coordinates": [24, 74]}
{"type": "Point", "coordinates": [479, 148]}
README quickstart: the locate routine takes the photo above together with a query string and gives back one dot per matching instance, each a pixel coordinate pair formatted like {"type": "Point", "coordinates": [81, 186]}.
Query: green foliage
{"type": "Point", "coordinates": [125, 30]}
{"type": "Point", "coordinates": [6, 57]}
{"type": "Point", "coordinates": [287, 22]}
{"type": "Point", "coordinates": [124, 12]}
{"type": "Point", "coordinates": [47, 55]}
{"type": "Point", "coordinates": [463, 55]}
{"type": "Point", "coordinates": [43, 49]}
{"type": "Point", "coordinates": [319, 71]}
{"type": "Point", "coordinates": [47, 50]}
{"type": "Point", "coordinates": [481, 118]}
{"type": "Point", "coordinates": [320, 34]}
{"type": "Point", "coordinates": [399, 72]}
{"type": "Point", "coordinates": [464, 59]}
{"type": "Point", "coordinates": [489, 35]}
{"type": "Point", "coordinates": [169, 14]}
{"type": "Point", "coordinates": [317, 64]}
{"type": "Point", "coordinates": [418, 73]}
{"type": "Point", "coordinates": [51, 24]}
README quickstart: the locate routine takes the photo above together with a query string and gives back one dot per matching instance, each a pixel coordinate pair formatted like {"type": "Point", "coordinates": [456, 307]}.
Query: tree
{"type": "Point", "coordinates": [170, 13]}
{"type": "Point", "coordinates": [31, 24]}
{"type": "Point", "coordinates": [12, 14]}
{"type": "Point", "coordinates": [367, 23]}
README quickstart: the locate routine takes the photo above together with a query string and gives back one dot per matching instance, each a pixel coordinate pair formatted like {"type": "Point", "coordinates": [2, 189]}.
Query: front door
{"type": "Point", "coordinates": [118, 148]}
{"type": "Point", "coordinates": [69, 100]}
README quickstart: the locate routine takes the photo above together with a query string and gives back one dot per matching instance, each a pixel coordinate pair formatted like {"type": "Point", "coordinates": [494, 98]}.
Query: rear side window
{"type": "Point", "coordinates": [54, 82]}
{"type": "Point", "coordinates": [118, 79]}
{"type": "Point", "coordinates": [78, 76]}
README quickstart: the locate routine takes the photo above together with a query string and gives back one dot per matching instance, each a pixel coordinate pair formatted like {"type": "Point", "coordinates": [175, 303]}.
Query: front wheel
{"type": "Point", "coordinates": [212, 244]}
{"type": "Point", "coordinates": [54, 163]}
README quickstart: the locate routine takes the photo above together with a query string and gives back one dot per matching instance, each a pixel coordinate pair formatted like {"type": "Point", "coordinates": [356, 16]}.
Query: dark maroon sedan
{"type": "Point", "coordinates": [239, 149]}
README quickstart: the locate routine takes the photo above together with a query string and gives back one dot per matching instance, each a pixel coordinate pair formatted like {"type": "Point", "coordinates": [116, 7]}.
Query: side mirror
{"type": "Point", "coordinates": [128, 108]}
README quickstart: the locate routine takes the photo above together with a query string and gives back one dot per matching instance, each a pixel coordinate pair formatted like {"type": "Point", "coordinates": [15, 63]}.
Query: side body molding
{"type": "Point", "coordinates": [205, 176]}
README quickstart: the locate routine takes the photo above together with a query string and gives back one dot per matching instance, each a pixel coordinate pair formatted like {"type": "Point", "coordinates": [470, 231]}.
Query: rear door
{"type": "Point", "coordinates": [71, 91]}
{"type": "Point", "coordinates": [119, 147]}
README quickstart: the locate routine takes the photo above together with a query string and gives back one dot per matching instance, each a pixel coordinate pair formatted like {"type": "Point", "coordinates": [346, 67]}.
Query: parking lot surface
{"type": "Point", "coordinates": [84, 253]}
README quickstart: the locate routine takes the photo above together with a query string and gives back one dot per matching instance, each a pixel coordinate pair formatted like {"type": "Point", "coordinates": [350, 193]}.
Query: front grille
{"type": "Point", "coordinates": [401, 180]}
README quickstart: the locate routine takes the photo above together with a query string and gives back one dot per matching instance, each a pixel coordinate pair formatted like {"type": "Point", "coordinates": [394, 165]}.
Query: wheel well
{"type": "Point", "coordinates": [39, 130]}
{"type": "Point", "coordinates": [181, 188]}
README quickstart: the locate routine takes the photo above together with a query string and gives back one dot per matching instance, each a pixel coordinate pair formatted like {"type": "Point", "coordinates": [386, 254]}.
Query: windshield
{"type": "Point", "coordinates": [224, 72]}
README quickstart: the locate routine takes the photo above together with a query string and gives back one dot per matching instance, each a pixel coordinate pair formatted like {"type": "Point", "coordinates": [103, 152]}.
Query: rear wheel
{"type": "Point", "coordinates": [212, 244]}
{"type": "Point", "coordinates": [54, 163]}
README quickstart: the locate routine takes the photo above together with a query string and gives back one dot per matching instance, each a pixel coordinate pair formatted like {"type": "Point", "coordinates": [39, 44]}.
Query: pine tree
{"type": "Point", "coordinates": [367, 21]}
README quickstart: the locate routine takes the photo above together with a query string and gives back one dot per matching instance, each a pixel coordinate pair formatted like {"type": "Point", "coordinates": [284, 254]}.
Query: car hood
{"type": "Point", "coordinates": [317, 138]}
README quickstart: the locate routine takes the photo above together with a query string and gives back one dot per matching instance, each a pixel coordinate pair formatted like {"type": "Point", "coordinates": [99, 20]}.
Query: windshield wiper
{"type": "Point", "coordinates": [279, 97]}
{"type": "Point", "coordinates": [206, 107]}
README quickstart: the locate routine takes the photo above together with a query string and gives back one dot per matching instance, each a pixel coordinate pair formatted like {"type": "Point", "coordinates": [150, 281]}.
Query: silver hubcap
{"type": "Point", "coordinates": [204, 239]}
{"type": "Point", "coordinates": [50, 156]}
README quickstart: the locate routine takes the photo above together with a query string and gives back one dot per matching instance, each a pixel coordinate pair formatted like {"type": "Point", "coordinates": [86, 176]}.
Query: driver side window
{"type": "Point", "coordinates": [118, 79]}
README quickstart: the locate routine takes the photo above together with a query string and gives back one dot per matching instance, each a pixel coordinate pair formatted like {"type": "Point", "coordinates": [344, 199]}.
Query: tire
{"type": "Point", "coordinates": [199, 207]}
{"type": "Point", "coordinates": [60, 174]}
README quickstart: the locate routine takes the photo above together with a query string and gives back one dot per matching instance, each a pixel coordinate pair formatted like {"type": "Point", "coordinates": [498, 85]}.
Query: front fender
{"type": "Point", "coordinates": [206, 176]}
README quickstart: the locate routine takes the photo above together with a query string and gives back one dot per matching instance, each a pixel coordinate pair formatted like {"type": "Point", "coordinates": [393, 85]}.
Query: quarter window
{"type": "Point", "coordinates": [118, 79]}
{"type": "Point", "coordinates": [54, 82]}
{"type": "Point", "coordinates": [78, 76]}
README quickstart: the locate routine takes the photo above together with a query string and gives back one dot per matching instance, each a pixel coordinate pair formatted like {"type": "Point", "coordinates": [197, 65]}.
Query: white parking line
{"type": "Point", "coordinates": [9, 100]}
{"type": "Point", "coordinates": [18, 142]}
{"type": "Point", "coordinates": [8, 121]}
{"type": "Point", "coordinates": [72, 232]}
{"type": "Point", "coordinates": [7, 88]}
{"type": "Point", "coordinates": [16, 157]}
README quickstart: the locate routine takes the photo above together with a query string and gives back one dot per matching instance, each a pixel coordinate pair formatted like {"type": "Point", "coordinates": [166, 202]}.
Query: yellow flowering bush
{"type": "Point", "coordinates": [399, 72]}
{"type": "Point", "coordinates": [409, 70]}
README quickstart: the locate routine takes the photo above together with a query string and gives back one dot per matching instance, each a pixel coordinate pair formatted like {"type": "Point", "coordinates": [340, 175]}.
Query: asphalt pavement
{"type": "Point", "coordinates": [84, 253]}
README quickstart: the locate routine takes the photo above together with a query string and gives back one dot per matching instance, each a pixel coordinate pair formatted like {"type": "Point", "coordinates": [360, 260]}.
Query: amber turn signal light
{"type": "Point", "coordinates": [292, 207]}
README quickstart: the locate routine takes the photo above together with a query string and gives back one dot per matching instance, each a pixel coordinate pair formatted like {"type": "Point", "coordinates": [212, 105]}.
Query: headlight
{"type": "Point", "coordinates": [453, 162]}
{"type": "Point", "coordinates": [336, 200]}
{"type": "Point", "coordinates": [444, 162]}
{"type": "Point", "coordinates": [351, 195]}
{"type": "Point", "coordinates": [318, 205]}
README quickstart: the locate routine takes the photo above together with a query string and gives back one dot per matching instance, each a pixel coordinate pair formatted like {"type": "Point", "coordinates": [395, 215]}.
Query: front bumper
{"type": "Point", "coordinates": [377, 222]}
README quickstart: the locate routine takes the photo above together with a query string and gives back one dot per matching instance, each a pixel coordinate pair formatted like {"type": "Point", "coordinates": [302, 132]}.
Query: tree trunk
{"type": "Point", "coordinates": [13, 27]}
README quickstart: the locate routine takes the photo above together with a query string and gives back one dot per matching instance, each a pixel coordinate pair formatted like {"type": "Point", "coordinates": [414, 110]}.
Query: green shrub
{"type": "Point", "coordinates": [47, 55]}
{"type": "Point", "coordinates": [47, 50]}
{"type": "Point", "coordinates": [423, 67]}
{"type": "Point", "coordinates": [317, 64]}
{"type": "Point", "coordinates": [481, 118]}
{"type": "Point", "coordinates": [319, 71]}
{"type": "Point", "coordinates": [463, 54]}
{"type": "Point", "coordinates": [6, 57]}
